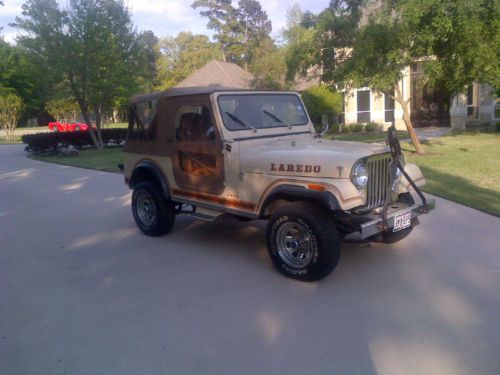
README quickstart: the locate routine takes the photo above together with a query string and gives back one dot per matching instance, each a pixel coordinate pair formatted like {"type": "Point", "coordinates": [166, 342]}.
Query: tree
{"type": "Point", "coordinates": [377, 60]}
{"type": "Point", "coordinates": [239, 31]}
{"type": "Point", "coordinates": [255, 27]}
{"type": "Point", "coordinates": [150, 60]}
{"type": "Point", "coordinates": [268, 66]}
{"type": "Point", "coordinates": [301, 44]}
{"type": "Point", "coordinates": [459, 42]}
{"type": "Point", "coordinates": [11, 107]}
{"type": "Point", "coordinates": [462, 37]}
{"type": "Point", "coordinates": [320, 100]}
{"type": "Point", "coordinates": [92, 47]}
{"type": "Point", "coordinates": [23, 75]}
{"type": "Point", "coordinates": [1, 4]}
{"type": "Point", "coordinates": [63, 110]}
{"type": "Point", "coordinates": [182, 55]}
{"type": "Point", "coordinates": [223, 19]}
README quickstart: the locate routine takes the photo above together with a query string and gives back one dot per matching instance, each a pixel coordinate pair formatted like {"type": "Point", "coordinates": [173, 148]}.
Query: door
{"type": "Point", "coordinates": [198, 159]}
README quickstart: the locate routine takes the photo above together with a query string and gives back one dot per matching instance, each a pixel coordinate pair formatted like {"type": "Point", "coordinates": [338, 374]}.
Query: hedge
{"type": "Point", "coordinates": [51, 142]}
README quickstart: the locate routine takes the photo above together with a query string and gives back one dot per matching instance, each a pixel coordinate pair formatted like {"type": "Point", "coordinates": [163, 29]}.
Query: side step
{"type": "Point", "coordinates": [205, 214]}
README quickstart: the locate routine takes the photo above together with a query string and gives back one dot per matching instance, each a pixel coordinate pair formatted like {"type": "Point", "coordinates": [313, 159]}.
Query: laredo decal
{"type": "Point", "coordinates": [295, 168]}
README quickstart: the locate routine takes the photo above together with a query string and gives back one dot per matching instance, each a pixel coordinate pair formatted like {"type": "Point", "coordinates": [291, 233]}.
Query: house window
{"type": "Point", "coordinates": [363, 101]}
{"type": "Point", "coordinates": [473, 101]}
{"type": "Point", "coordinates": [389, 107]}
{"type": "Point", "coordinates": [497, 108]}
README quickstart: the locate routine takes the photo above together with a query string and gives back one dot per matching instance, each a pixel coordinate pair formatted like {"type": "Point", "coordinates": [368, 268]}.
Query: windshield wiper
{"type": "Point", "coordinates": [276, 118]}
{"type": "Point", "coordinates": [240, 121]}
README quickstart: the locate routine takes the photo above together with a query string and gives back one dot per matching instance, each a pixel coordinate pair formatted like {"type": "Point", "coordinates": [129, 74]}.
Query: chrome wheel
{"type": "Point", "coordinates": [295, 244]}
{"type": "Point", "coordinates": [146, 208]}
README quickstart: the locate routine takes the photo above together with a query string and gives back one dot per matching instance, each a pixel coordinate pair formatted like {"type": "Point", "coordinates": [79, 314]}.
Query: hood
{"type": "Point", "coordinates": [304, 156]}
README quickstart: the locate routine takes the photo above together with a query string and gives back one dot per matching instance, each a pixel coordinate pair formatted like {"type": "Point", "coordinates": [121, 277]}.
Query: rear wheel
{"type": "Point", "coordinates": [303, 242]}
{"type": "Point", "coordinates": [153, 213]}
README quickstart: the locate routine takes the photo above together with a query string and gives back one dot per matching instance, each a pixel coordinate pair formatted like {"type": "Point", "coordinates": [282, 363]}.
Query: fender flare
{"type": "Point", "coordinates": [324, 199]}
{"type": "Point", "coordinates": [149, 170]}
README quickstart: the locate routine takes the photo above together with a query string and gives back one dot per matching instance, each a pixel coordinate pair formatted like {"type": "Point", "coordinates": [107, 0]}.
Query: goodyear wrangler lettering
{"type": "Point", "coordinates": [295, 168]}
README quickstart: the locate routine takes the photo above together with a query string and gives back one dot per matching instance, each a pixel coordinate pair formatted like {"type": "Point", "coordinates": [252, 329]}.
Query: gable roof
{"type": "Point", "coordinates": [218, 73]}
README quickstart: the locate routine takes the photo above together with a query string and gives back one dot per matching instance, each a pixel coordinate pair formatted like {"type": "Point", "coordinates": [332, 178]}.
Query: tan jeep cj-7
{"type": "Point", "coordinates": [256, 155]}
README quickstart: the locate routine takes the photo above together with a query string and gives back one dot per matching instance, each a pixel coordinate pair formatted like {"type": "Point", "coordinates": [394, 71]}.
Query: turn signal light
{"type": "Point", "coordinates": [316, 187]}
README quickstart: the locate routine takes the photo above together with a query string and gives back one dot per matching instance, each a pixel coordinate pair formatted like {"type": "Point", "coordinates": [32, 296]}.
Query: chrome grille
{"type": "Point", "coordinates": [379, 178]}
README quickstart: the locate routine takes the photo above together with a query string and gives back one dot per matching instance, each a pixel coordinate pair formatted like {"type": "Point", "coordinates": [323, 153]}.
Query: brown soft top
{"type": "Point", "coordinates": [179, 91]}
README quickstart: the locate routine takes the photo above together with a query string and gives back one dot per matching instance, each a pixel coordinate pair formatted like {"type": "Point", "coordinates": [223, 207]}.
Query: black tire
{"type": "Point", "coordinates": [319, 252]}
{"type": "Point", "coordinates": [392, 237]}
{"type": "Point", "coordinates": [153, 213]}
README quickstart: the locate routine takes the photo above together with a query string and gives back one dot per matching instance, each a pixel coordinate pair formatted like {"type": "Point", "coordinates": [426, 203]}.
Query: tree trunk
{"type": "Point", "coordinates": [407, 119]}
{"type": "Point", "coordinates": [84, 108]}
{"type": "Point", "coordinates": [86, 117]}
{"type": "Point", "coordinates": [98, 121]}
{"type": "Point", "coordinates": [223, 54]}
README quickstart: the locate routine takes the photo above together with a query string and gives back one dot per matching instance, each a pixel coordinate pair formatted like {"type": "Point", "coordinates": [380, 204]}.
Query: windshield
{"type": "Point", "coordinates": [259, 111]}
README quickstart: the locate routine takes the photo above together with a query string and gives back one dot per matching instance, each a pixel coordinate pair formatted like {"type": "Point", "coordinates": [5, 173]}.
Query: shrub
{"type": "Point", "coordinates": [370, 127]}
{"type": "Point", "coordinates": [335, 128]}
{"type": "Point", "coordinates": [346, 129]}
{"type": "Point", "coordinates": [357, 128]}
{"type": "Point", "coordinates": [50, 142]}
{"type": "Point", "coordinates": [320, 100]}
{"type": "Point", "coordinates": [10, 110]}
{"type": "Point", "coordinates": [497, 126]}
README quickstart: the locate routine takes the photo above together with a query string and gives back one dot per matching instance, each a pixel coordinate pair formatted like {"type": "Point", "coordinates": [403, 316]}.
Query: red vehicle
{"type": "Point", "coordinates": [66, 127]}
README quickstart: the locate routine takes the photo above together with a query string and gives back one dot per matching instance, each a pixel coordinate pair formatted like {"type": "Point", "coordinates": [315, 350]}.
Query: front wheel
{"type": "Point", "coordinates": [393, 237]}
{"type": "Point", "coordinates": [153, 213]}
{"type": "Point", "coordinates": [303, 242]}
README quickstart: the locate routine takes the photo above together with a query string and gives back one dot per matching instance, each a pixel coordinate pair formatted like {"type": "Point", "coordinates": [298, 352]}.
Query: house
{"type": "Point", "coordinates": [428, 106]}
{"type": "Point", "coordinates": [218, 73]}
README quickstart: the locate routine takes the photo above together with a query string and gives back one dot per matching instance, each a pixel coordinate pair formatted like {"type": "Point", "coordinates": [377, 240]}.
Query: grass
{"type": "Point", "coordinates": [367, 137]}
{"type": "Point", "coordinates": [16, 140]}
{"type": "Point", "coordinates": [462, 167]}
{"type": "Point", "coordinates": [106, 160]}
{"type": "Point", "coordinates": [118, 125]}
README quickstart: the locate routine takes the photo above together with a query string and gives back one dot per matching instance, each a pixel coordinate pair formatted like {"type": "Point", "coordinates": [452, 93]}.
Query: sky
{"type": "Point", "coordinates": [169, 17]}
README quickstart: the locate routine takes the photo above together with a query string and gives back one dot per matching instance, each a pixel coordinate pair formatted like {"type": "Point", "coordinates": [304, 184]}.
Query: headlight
{"type": "Point", "coordinates": [359, 176]}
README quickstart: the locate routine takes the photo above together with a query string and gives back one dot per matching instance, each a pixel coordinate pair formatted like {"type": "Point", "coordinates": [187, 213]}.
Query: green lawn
{"type": "Point", "coordinates": [367, 137]}
{"type": "Point", "coordinates": [462, 167]}
{"type": "Point", "coordinates": [16, 140]}
{"type": "Point", "coordinates": [118, 125]}
{"type": "Point", "coordinates": [102, 160]}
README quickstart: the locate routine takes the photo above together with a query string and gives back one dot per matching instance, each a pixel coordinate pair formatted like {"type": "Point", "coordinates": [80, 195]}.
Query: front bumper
{"type": "Point", "coordinates": [377, 225]}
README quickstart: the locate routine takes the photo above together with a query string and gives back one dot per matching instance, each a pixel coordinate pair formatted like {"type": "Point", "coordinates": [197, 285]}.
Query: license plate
{"type": "Point", "coordinates": [402, 221]}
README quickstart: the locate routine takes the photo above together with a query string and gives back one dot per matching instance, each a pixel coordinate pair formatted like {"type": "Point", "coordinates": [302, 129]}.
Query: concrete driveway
{"type": "Point", "coordinates": [83, 292]}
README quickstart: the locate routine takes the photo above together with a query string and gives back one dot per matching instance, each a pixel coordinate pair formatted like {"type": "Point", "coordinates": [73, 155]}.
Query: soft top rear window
{"type": "Point", "coordinates": [142, 120]}
{"type": "Point", "coordinates": [261, 111]}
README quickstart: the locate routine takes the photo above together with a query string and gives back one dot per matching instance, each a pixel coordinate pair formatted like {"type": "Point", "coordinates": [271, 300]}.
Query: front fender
{"type": "Point", "coordinates": [292, 193]}
{"type": "Point", "coordinates": [415, 174]}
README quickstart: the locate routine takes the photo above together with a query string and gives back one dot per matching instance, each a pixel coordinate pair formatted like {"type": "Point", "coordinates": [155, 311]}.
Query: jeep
{"type": "Point", "coordinates": [212, 151]}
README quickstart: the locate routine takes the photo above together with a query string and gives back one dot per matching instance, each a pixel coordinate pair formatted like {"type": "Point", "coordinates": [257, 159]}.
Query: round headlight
{"type": "Point", "coordinates": [360, 176]}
